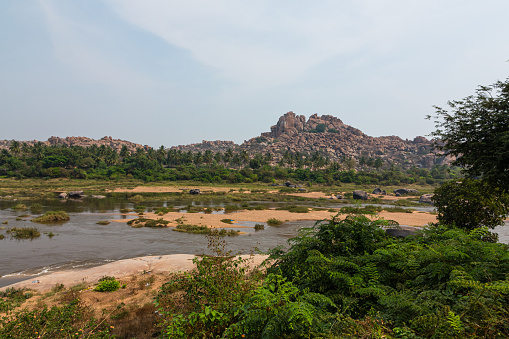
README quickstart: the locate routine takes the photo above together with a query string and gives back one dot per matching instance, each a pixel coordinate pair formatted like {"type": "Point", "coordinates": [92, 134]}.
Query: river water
{"type": "Point", "coordinates": [81, 242]}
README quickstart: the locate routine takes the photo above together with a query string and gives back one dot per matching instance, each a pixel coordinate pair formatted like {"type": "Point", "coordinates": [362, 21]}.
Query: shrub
{"type": "Point", "coordinates": [20, 207]}
{"type": "Point", "coordinates": [24, 232]}
{"type": "Point", "coordinates": [274, 222]}
{"type": "Point", "coordinates": [192, 229]}
{"type": "Point", "coordinates": [52, 217]}
{"type": "Point", "coordinates": [103, 222]}
{"type": "Point", "coordinates": [107, 284]}
{"type": "Point", "coordinates": [226, 221]}
{"type": "Point", "coordinates": [470, 204]}
{"type": "Point", "coordinates": [258, 227]}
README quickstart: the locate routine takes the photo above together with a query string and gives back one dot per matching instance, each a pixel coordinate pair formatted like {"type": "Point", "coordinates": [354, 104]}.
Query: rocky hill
{"type": "Point", "coordinates": [293, 133]}
{"type": "Point", "coordinates": [81, 141]}
{"type": "Point", "coordinates": [331, 137]}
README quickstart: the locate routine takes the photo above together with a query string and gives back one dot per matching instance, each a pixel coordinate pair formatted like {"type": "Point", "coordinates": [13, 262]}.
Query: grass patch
{"type": "Point", "coordinates": [406, 202]}
{"type": "Point", "coordinates": [20, 207]}
{"type": "Point", "coordinates": [52, 217]}
{"type": "Point", "coordinates": [232, 208]}
{"type": "Point", "coordinates": [368, 209]}
{"type": "Point", "coordinates": [12, 298]}
{"type": "Point", "coordinates": [142, 222]}
{"type": "Point", "coordinates": [196, 229]}
{"type": "Point", "coordinates": [164, 210]}
{"type": "Point", "coordinates": [294, 209]}
{"type": "Point", "coordinates": [24, 232]}
{"type": "Point", "coordinates": [126, 210]}
{"type": "Point", "coordinates": [398, 209]}
{"type": "Point", "coordinates": [259, 227]}
{"type": "Point", "coordinates": [274, 222]}
{"type": "Point", "coordinates": [227, 221]}
{"type": "Point", "coordinates": [103, 222]}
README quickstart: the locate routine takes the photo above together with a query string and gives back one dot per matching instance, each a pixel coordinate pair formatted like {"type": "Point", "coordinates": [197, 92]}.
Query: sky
{"type": "Point", "coordinates": [167, 72]}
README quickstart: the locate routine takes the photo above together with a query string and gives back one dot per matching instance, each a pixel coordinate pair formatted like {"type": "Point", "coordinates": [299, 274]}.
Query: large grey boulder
{"type": "Point", "coordinates": [403, 191]}
{"type": "Point", "coordinates": [400, 232]}
{"type": "Point", "coordinates": [377, 191]}
{"type": "Point", "coordinates": [426, 199]}
{"type": "Point", "coordinates": [76, 194]}
{"type": "Point", "coordinates": [360, 195]}
{"type": "Point", "coordinates": [194, 191]}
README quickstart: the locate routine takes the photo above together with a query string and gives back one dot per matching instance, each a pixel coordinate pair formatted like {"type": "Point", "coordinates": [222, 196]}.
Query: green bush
{"type": "Point", "coordinates": [52, 217]}
{"type": "Point", "coordinates": [470, 204]}
{"type": "Point", "coordinates": [107, 284]}
{"type": "Point", "coordinates": [24, 232]}
{"type": "Point", "coordinates": [274, 222]}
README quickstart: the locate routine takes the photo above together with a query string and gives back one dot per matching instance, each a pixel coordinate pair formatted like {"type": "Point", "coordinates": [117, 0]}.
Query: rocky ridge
{"type": "Point", "coordinates": [330, 136]}
{"type": "Point", "coordinates": [293, 133]}
{"type": "Point", "coordinates": [81, 141]}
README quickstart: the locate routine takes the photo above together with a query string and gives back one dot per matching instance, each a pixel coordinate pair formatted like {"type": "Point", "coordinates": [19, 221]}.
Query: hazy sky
{"type": "Point", "coordinates": [165, 72]}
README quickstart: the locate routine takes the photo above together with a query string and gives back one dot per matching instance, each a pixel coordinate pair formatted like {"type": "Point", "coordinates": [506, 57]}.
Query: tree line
{"type": "Point", "coordinates": [103, 162]}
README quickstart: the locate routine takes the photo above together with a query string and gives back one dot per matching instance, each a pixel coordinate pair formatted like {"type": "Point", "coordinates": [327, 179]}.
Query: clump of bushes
{"type": "Point", "coordinates": [232, 208]}
{"type": "Point", "coordinates": [163, 210]}
{"type": "Point", "coordinates": [142, 222]}
{"type": "Point", "coordinates": [227, 221]}
{"type": "Point", "coordinates": [295, 209]}
{"type": "Point", "coordinates": [398, 209]}
{"type": "Point", "coordinates": [12, 298]}
{"type": "Point", "coordinates": [103, 222]}
{"type": "Point", "coordinates": [187, 228]}
{"type": "Point", "coordinates": [198, 229]}
{"type": "Point", "coordinates": [258, 227]}
{"type": "Point", "coordinates": [274, 222]}
{"type": "Point", "coordinates": [52, 217]}
{"type": "Point", "coordinates": [24, 232]}
{"type": "Point", "coordinates": [368, 209]}
{"type": "Point", "coordinates": [107, 284]}
{"type": "Point", "coordinates": [20, 207]}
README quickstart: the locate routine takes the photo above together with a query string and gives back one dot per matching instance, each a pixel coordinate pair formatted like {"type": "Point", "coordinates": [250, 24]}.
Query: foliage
{"type": "Point", "coordinates": [103, 222]}
{"type": "Point", "coordinates": [204, 302]}
{"type": "Point", "coordinates": [476, 133]}
{"type": "Point", "coordinates": [12, 298]}
{"type": "Point", "coordinates": [278, 309]}
{"type": "Point", "coordinates": [24, 232]}
{"type": "Point", "coordinates": [226, 221]}
{"type": "Point", "coordinates": [187, 228]}
{"type": "Point", "coordinates": [69, 321]}
{"type": "Point", "coordinates": [258, 227]}
{"type": "Point", "coordinates": [52, 217]}
{"type": "Point", "coordinates": [274, 222]}
{"type": "Point", "coordinates": [107, 284]}
{"type": "Point", "coordinates": [444, 282]}
{"type": "Point", "coordinates": [142, 222]}
{"type": "Point", "coordinates": [470, 204]}
{"type": "Point", "coordinates": [294, 209]}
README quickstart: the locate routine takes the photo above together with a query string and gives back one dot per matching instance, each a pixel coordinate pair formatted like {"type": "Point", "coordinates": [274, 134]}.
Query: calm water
{"type": "Point", "coordinates": [81, 243]}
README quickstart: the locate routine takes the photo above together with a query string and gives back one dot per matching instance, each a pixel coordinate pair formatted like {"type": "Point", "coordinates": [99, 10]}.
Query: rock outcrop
{"type": "Point", "coordinates": [324, 134]}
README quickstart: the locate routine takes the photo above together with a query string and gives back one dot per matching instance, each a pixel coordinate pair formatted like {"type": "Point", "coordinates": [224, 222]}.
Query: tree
{"type": "Point", "coordinates": [470, 204]}
{"type": "Point", "coordinates": [476, 132]}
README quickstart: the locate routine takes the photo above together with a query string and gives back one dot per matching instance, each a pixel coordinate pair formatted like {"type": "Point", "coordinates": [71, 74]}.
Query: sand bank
{"type": "Point", "coordinates": [120, 269]}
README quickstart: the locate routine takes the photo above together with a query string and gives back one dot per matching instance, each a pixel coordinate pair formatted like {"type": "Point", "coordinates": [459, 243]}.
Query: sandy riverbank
{"type": "Point", "coordinates": [120, 269]}
{"type": "Point", "coordinates": [415, 218]}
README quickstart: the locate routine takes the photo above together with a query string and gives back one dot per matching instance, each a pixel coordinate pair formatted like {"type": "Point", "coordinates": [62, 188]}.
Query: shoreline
{"type": "Point", "coordinates": [120, 269]}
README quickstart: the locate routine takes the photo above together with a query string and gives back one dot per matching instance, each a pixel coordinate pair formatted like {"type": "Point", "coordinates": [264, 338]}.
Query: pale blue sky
{"type": "Point", "coordinates": [163, 72]}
